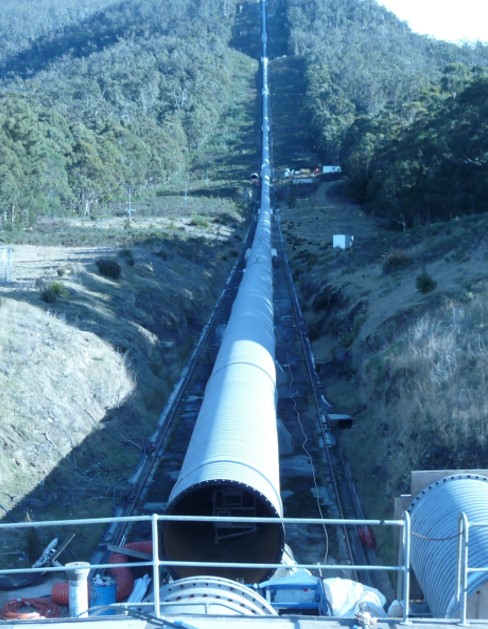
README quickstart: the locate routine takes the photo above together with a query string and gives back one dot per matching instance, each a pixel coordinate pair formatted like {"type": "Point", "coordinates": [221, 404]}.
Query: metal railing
{"type": "Point", "coordinates": [463, 569]}
{"type": "Point", "coordinates": [402, 569]}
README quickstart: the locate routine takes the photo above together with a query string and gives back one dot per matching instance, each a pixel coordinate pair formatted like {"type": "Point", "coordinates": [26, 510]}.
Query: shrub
{"type": "Point", "coordinates": [315, 330]}
{"type": "Point", "coordinates": [51, 291]}
{"type": "Point", "coordinates": [351, 334]}
{"type": "Point", "coordinates": [109, 268]}
{"type": "Point", "coordinates": [225, 218]}
{"type": "Point", "coordinates": [199, 221]}
{"type": "Point", "coordinates": [395, 259]}
{"type": "Point", "coordinates": [425, 283]}
{"type": "Point", "coordinates": [128, 254]}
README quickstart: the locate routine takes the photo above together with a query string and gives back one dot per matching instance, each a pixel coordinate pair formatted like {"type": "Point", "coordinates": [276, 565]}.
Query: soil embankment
{"type": "Point", "coordinates": [88, 359]}
{"type": "Point", "coordinates": [398, 326]}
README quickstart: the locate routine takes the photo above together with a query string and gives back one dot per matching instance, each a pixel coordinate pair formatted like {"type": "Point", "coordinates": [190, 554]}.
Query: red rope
{"type": "Point", "coordinates": [44, 608]}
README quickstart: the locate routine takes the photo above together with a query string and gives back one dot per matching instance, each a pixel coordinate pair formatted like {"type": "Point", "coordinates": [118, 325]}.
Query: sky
{"type": "Point", "coordinates": [452, 20]}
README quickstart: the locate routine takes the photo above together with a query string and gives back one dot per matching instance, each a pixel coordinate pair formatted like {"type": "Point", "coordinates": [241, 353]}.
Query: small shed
{"type": "Point", "coordinates": [342, 241]}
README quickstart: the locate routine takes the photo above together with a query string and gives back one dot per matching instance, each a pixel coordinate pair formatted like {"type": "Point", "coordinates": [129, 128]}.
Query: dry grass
{"type": "Point", "coordinates": [416, 362]}
{"type": "Point", "coordinates": [441, 368]}
{"type": "Point", "coordinates": [56, 383]}
{"type": "Point", "coordinates": [395, 260]}
{"type": "Point", "coordinates": [83, 379]}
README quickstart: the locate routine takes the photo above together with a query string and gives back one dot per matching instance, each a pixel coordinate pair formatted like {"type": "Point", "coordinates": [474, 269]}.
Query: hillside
{"type": "Point", "coordinates": [397, 322]}
{"type": "Point", "coordinates": [403, 114]}
{"type": "Point", "coordinates": [114, 99]}
{"type": "Point", "coordinates": [398, 327]}
{"type": "Point", "coordinates": [88, 358]}
{"type": "Point", "coordinates": [128, 133]}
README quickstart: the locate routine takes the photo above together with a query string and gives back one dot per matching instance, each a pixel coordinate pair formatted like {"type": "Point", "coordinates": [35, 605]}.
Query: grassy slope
{"type": "Point", "coordinates": [414, 362]}
{"type": "Point", "coordinates": [83, 379]}
{"type": "Point", "coordinates": [293, 145]}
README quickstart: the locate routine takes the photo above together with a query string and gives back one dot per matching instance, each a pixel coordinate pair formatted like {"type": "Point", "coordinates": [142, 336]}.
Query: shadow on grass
{"type": "Point", "coordinates": [169, 294]}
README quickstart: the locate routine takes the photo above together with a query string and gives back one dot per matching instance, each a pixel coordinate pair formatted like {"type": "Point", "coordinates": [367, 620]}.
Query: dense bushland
{"type": "Point", "coordinates": [404, 114]}
{"type": "Point", "coordinates": [105, 99]}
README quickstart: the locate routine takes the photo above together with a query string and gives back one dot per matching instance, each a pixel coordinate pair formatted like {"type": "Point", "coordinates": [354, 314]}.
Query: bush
{"type": "Point", "coordinates": [425, 283]}
{"type": "Point", "coordinates": [315, 330]}
{"type": "Point", "coordinates": [199, 221]}
{"type": "Point", "coordinates": [396, 259]}
{"type": "Point", "coordinates": [128, 254]}
{"type": "Point", "coordinates": [350, 335]}
{"type": "Point", "coordinates": [50, 292]}
{"type": "Point", "coordinates": [109, 268]}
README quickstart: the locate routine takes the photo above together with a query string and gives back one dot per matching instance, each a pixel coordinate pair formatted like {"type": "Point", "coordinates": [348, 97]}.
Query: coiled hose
{"type": "Point", "coordinates": [43, 608]}
{"type": "Point", "coordinates": [123, 577]}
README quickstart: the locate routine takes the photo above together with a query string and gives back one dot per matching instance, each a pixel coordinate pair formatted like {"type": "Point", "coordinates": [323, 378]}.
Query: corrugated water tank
{"type": "Point", "coordinates": [435, 516]}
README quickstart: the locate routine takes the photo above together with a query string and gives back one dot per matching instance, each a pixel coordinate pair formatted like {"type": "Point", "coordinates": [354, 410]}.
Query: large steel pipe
{"type": "Point", "coordinates": [231, 467]}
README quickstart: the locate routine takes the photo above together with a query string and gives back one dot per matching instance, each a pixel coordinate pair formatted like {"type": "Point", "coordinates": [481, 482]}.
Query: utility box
{"type": "Point", "coordinates": [342, 241]}
{"type": "Point", "coordinates": [330, 169]}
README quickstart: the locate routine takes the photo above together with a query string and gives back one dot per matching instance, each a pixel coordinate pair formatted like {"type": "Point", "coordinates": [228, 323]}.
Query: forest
{"type": "Point", "coordinates": [99, 98]}
{"type": "Point", "coordinates": [405, 115]}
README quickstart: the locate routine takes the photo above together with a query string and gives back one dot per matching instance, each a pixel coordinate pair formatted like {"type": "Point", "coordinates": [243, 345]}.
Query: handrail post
{"type": "Point", "coordinates": [406, 543]}
{"type": "Point", "coordinates": [155, 562]}
{"type": "Point", "coordinates": [462, 568]}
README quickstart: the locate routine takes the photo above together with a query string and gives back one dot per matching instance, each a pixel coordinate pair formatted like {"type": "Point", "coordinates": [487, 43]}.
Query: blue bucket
{"type": "Point", "coordinates": [102, 592]}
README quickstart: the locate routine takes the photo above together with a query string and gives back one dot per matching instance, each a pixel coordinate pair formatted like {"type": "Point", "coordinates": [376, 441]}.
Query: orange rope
{"type": "Point", "coordinates": [44, 608]}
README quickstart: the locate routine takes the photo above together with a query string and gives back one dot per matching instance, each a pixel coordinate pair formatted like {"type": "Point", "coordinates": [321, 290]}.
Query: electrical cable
{"type": "Point", "coordinates": [43, 608]}
{"type": "Point", "coordinates": [304, 448]}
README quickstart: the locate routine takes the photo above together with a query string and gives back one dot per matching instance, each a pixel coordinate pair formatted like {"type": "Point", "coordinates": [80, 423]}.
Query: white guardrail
{"type": "Point", "coordinates": [155, 564]}
{"type": "Point", "coordinates": [402, 569]}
